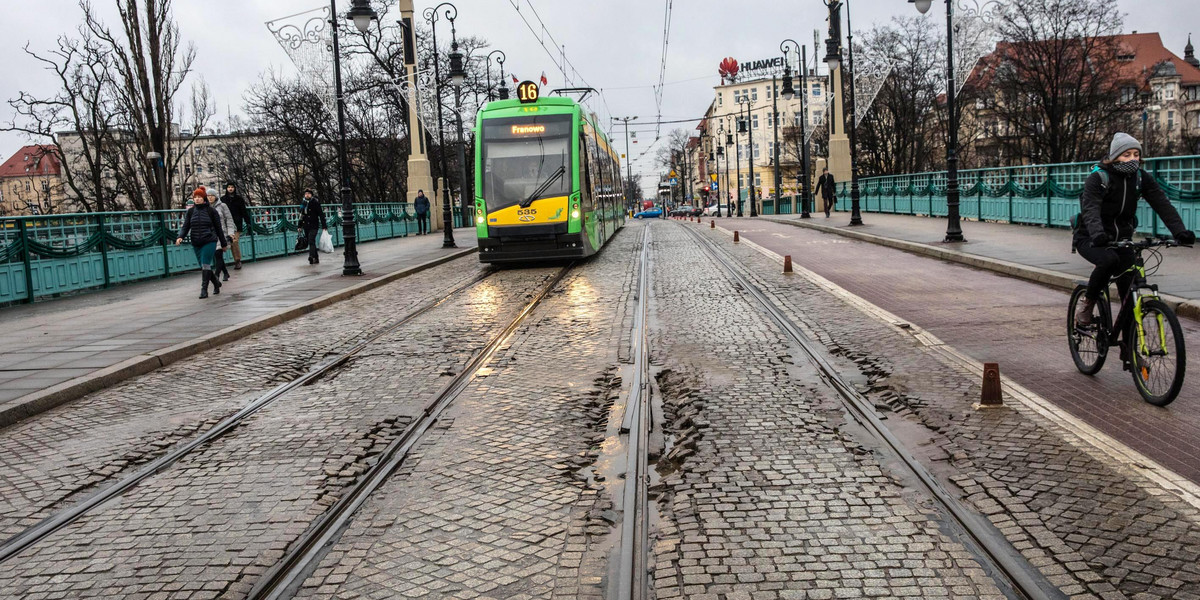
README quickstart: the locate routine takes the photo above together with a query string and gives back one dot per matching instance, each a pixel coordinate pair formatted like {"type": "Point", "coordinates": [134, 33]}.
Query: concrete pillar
{"type": "Point", "coordinates": [419, 173]}
{"type": "Point", "coordinates": [839, 141]}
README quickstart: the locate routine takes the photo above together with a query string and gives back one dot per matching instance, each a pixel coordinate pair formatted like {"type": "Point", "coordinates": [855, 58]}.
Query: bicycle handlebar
{"type": "Point", "coordinates": [1150, 243]}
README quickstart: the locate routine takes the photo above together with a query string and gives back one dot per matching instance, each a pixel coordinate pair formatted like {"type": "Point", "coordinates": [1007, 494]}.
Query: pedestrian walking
{"type": "Point", "coordinates": [825, 185]}
{"type": "Point", "coordinates": [202, 226]}
{"type": "Point", "coordinates": [312, 222]}
{"type": "Point", "coordinates": [227, 225]}
{"type": "Point", "coordinates": [421, 208]}
{"type": "Point", "coordinates": [1108, 213]}
{"type": "Point", "coordinates": [238, 207]}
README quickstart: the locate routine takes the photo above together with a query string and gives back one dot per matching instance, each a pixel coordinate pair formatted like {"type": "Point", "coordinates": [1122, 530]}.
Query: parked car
{"type": "Point", "coordinates": [649, 213]}
{"type": "Point", "coordinates": [711, 210]}
{"type": "Point", "coordinates": [683, 210]}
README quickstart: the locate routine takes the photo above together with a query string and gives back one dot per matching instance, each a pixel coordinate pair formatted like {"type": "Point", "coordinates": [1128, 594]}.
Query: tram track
{"type": "Point", "coordinates": [629, 570]}
{"type": "Point", "coordinates": [65, 516]}
{"type": "Point", "coordinates": [1008, 568]}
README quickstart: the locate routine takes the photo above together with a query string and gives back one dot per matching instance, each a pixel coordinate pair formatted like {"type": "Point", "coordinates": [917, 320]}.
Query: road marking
{"type": "Point", "coordinates": [1080, 434]}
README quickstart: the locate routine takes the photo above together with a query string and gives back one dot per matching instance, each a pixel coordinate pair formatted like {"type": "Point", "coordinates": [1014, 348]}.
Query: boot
{"type": "Point", "coordinates": [237, 265]}
{"type": "Point", "coordinates": [215, 281]}
{"type": "Point", "coordinates": [203, 284]}
{"type": "Point", "coordinates": [1083, 316]}
{"type": "Point", "coordinates": [225, 276]}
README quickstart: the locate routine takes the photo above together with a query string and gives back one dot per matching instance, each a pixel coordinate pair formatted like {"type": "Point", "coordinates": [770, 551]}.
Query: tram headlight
{"type": "Point", "coordinates": [479, 220]}
{"type": "Point", "coordinates": [575, 214]}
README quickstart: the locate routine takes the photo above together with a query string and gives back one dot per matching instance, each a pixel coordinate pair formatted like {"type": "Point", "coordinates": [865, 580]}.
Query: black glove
{"type": "Point", "coordinates": [1185, 238]}
{"type": "Point", "coordinates": [1100, 240]}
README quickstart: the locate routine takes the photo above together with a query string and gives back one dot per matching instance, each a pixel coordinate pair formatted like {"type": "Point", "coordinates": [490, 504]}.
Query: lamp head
{"type": "Point", "coordinates": [833, 58]}
{"type": "Point", "coordinates": [362, 14]}
{"type": "Point", "coordinates": [923, 6]}
{"type": "Point", "coordinates": [458, 75]}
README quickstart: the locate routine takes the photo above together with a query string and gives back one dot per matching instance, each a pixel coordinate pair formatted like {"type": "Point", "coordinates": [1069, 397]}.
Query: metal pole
{"type": "Point", "coordinates": [727, 189]}
{"type": "Point", "coordinates": [855, 214]}
{"type": "Point", "coordinates": [462, 158]}
{"type": "Point", "coordinates": [806, 190]}
{"type": "Point", "coordinates": [349, 237]}
{"type": "Point", "coordinates": [447, 217]}
{"type": "Point", "coordinates": [739, 172]}
{"type": "Point", "coordinates": [953, 227]}
{"type": "Point", "coordinates": [753, 190]}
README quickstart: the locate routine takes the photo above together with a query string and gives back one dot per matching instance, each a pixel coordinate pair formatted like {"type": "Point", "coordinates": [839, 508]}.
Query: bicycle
{"type": "Point", "coordinates": [1157, 358]}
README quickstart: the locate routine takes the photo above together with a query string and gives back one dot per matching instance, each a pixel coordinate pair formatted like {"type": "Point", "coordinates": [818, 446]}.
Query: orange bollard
{"type": "Point", "coordinates": [787, 263]}
{"type": "Point", "coordinates": [736, 239]}
{"type": "Point", "coordinates": [991, 393]}
{"type": "Point", "coordinates": [712, 224]}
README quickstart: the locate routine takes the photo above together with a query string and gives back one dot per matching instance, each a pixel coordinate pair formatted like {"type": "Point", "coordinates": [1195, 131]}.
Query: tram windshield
{"type": "Point", "coordinates": [526, 158]}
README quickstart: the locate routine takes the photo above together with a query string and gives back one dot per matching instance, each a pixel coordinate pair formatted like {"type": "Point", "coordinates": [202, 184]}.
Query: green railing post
{"type": "Point", "coordinates": [250, 226]}
{"type": "Point", "coordinates": [103, 247]}
{"type": "Point", "coordinates": [24, 232]}
{"type": "Point", "coordinates": [1049, 198]}
{"type": "Point", "coordinates": [166, 242]}
{"type": "Point", "coordinates": [979, 199]}
{"type": "Point", "coordinates": [1153, 215]}
{"type": "Point", "coordinates": [1011, 194]}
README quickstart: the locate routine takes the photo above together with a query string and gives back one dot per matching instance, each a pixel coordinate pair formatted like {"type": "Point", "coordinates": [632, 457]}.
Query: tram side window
{"type": "Point", "coordinates": [585, 173]}
{"type": "Point", "coordinates": [594, 157]}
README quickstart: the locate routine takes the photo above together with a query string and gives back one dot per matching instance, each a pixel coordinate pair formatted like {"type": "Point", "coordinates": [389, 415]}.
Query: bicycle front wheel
{"type": "Point", "coordinates": [1089, 345]}
{"type": "Point", "coordinates": [1157, 355]}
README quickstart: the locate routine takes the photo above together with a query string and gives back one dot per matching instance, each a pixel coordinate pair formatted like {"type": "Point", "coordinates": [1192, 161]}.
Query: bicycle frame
{"type": "Point", "coordinates": [1139, 289]}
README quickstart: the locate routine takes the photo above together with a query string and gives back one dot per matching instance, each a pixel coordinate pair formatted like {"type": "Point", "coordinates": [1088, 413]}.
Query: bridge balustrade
{"type": "Point", "coordinates": [51, 255]}
{"type": "Point", "coordinates": [1046, 195]}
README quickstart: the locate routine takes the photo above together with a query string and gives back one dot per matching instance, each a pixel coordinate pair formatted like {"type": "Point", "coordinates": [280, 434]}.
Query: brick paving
{"type": "Point", "coordinates": [52, 342]}
{"type": "Point", "coordinates": [772, 496]}
{"type": "Point", "coordinates": [222, 515]}
{"type": "Point", "coordinates": [500, 503]}
{"type": "Point", "coordinates": [993, 318]}
{"type": "Point", "coordinates": [1094, 528]}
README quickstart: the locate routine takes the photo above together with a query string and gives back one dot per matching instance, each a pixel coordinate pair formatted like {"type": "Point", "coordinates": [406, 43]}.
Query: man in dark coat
{"type": "Point", "coordinates": [241, 218]}
{"type": "Point", "coordinates": [421, 208]}
{"type": "Point", "coordinates": [312, 221]}
{"type": "Point", "coordinates": [825, 185]}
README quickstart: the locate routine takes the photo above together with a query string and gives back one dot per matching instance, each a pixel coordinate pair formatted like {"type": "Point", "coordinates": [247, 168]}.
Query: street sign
{"type": "Point", "coordinates": [674, 181]}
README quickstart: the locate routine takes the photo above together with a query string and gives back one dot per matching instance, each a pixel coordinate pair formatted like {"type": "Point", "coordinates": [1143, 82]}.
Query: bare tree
{"type": "Point", "coordinates": [1057, 77]}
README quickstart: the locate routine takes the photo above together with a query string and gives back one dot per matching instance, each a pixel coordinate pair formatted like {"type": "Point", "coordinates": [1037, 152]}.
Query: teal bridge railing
{"type": "Point", "coordinates": [1046, 195]}
{"type": "Point", "coordinates": [51, 255]}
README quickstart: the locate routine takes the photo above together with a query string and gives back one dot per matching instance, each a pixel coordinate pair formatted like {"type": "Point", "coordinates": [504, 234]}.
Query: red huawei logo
{"type": "Point", "coordinates": [728, 69]}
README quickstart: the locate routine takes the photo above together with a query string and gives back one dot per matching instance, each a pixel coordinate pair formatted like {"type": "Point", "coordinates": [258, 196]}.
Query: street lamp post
{"type": "Point", "coordinates": [488, 68]}
{"type": "Point", "coordinates": [628, 164]}
{"type": "Point", "coordinates": [722, 188]}
{"type": "Point", "coordinates": [788, 93]}
{"type": "Point", "coordinates": [458, 77]}
{"type": "Point", "coordinates": [953, 226]}
{"type": "Point", "coordinates": [775, 139]}
{"type": "Point", "coordinates": [431, 15]}
{"type": "Point", "coordinates": [361, 14]}
{"type": "Point", "coordinates": [749, 128]}
{"type": "Point", "coordinates": [833, 58]}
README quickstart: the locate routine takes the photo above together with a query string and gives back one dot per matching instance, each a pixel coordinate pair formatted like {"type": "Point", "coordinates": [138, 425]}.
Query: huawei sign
{"type": "Point", "coordinates": [728, 69]}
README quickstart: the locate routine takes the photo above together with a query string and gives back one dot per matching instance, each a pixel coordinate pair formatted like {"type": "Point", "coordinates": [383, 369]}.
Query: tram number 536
{"type": "Point", "coordinates": [527, 92]}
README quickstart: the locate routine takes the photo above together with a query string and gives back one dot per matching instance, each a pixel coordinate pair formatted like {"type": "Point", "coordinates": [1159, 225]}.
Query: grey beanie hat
{"type": "Point", "coordinates": [1120, 143]}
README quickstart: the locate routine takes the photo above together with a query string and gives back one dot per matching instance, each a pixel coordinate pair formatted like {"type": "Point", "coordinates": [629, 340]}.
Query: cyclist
{"type": "Point", "coordinates": [1108, 213]}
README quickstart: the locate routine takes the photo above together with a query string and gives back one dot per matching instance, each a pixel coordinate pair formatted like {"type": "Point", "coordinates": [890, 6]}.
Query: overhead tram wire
{"type": "Point", "coordinates": [662, 67]}
{"type": "Point", "coordinates": [558, 48]}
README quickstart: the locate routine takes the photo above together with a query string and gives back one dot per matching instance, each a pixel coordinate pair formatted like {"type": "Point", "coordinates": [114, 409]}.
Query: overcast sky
{"type": "Point", "coordinates": [615, 45]}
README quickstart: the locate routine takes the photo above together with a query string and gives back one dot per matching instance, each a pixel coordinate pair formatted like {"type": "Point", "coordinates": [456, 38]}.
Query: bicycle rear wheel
{"type": "Point", "coordinates": [1157, 355]}
{"type": "Point", "coordinates": [1089, 345]}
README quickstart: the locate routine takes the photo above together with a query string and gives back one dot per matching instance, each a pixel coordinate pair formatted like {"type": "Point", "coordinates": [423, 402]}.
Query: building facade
{"type": "Point", "coordinates": [771, 123]}
{"type": "Point", "coordinates": [31, 182]}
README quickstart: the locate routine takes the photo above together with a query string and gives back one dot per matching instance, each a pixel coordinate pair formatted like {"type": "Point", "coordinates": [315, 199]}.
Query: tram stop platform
{"type": "Point", "coordinates": [58, 350]}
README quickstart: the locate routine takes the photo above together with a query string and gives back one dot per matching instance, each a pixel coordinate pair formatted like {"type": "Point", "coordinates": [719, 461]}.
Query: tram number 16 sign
{"type": "Point", "coordinates": [527, 92]}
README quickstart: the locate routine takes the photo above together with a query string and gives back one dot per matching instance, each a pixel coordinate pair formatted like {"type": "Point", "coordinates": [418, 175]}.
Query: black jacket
{"type": "Point", "coordinates": [202, 222]}
{"type": "Point", "coordinates": [1114, 211]}
{"type": "Point", "coordinates": [237, 207]}
{"type": "Point", "coordinates": [311, 214]}
{"type": "Point", "coordinates": [825, 185]}
{"type": "Point", "coordinates": [421, 205]}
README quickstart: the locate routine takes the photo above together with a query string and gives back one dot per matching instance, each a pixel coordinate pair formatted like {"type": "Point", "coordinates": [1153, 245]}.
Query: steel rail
{"type": "Point", "coordinates": [985, 542]}
{"type": "Point", "coordinates": [304, 555]}
{"type": "Point", "coordinates": [39, 531]}
{"type": "Point", "coordinates": [633, 554]}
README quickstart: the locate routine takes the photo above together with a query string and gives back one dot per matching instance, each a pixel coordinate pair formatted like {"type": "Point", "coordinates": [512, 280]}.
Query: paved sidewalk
{"type": "Point", "coordinates": [56, 351]}
{"type": "Point", "coordinates": [1037, 247]}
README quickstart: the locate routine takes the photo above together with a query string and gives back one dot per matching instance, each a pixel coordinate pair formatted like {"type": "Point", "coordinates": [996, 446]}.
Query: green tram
{"type": "Point", "coordinates": [547, 182]}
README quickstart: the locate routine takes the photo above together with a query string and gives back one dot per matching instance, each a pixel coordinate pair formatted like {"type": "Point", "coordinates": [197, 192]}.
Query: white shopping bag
{"type": "Point", "coordinates": [325, 242]}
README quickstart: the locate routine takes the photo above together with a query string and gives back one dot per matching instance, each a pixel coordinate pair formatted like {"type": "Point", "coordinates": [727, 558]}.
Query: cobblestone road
{"type": "Point", "coordinates": [765, 489]}
{"type": "Point", "coordinates": [64, 453]}
{"type": "Point", "coordinates": [222, 515]}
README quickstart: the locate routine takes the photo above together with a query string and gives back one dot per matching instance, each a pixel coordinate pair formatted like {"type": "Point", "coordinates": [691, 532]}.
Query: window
{"type": "Point", "coordinates": [1170, 119]}
{"type": "Point", "coordinates": [741, 180]}
{"type": "Point", "coordinates": [720, 99]}
{"type": "Point", "coordinates": [737, 94]}
{"type": "Point", "coordinates": [771, 149]}
{"type": "Point", "coordinates": [755, 122]}
{"type": "Point", "coordinates": [754, 93]}
{"type": "Point", "coordinates": [818, 116]}
{"type": "Point", "coordinates": [1169, 92]}
{"type": "Point", "coordinates": [758, 180]}
{"type": "Point", "coordinates": [796, 120]}
{"type": "Point", "coordinates": [45, 187]}
{"type": "Point", "coordinates": [756, 150]}
{"type": "Point", "coordinates": [1128, 93]}
{"type": "Point", "coordinates": [816, 89]}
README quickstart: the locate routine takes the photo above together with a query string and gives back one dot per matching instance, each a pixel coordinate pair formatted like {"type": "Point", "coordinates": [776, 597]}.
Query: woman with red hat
{"type": "Point", "coordinates": [203, 226]}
